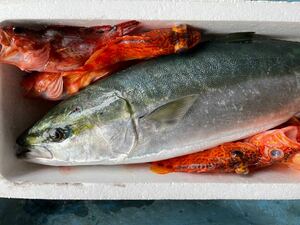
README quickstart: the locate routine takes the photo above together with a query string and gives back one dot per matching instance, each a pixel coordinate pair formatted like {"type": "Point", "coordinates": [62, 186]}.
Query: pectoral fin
{"type": "Point", "coordinates": [173, 111]}
{"type": "Point", "coordinates": [160, 169]}
{"type": "Point", "coordinates": [242, 169]}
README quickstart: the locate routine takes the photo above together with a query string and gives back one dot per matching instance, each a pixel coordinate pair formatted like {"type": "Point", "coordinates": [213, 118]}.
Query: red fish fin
{"type": "Point", "coordinates": [242, 169]}
{"type": "Point", "coordinates": [294, 162]}
{"type": "Point", "coordinates": [54, 90]}
{"type": "Point", "coordinates": [119, 29]}
{"type": "Point", "coordinates": [45, 85]}
{"type": "Point", "coordinates": [293, 166]}
{"type": "Point", "coordinates": [126, 27]}
{"type": "Point", "coordinates": [160, 169]}
{"type": "Point", "coordinates": [103, 28]}
{"type": "Point", "coordinates": [122, 49]}
{"type": "Point", "coordinates": [73, 82]}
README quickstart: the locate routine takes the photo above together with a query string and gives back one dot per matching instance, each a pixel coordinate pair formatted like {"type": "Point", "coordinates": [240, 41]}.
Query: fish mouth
{"type": "Point", "coordinates": [22, 152]}
{"type": "Point", "coordinates": [34, 152]}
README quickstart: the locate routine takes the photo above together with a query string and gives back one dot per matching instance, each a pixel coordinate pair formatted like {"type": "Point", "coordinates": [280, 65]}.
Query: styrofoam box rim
{"type": "Point", "coordinates": [151, 10]}
{"type": "Point", "coordinates": [178, 10]}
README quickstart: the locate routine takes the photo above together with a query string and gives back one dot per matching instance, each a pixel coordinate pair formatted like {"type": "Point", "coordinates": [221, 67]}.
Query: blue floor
{"type": "Point", "coordinates": [38, 212]}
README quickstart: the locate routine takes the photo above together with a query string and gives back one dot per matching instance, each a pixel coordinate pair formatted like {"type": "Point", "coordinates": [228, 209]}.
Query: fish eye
{"type": "Point", "coordinates": [60, 134]}
{"type": "Point", "coordinates": [276, 154]}
{"type": "Point", "coordinates": [237, 153]}
{"type": "Point", "coordinates": [17, 30]}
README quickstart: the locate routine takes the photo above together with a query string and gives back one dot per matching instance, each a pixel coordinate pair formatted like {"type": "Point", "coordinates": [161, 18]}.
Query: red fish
{"type": "Point", "coordinates": [56, 86]}
{"type": "Point", "coordinates": [108, 59]}
{"type": "Point", "coordinates": [144, 46]}
{"type": "Point", "coordinates": [56, 48]}
{"type": "Point", "coordinates": [261, 150]}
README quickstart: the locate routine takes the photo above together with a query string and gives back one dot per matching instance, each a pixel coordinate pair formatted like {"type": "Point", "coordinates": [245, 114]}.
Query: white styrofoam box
{"type": "Point", "coordinates": [24, 180]}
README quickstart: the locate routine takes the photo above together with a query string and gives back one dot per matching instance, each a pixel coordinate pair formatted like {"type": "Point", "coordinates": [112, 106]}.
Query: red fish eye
{"type": "Point", "coordinates": [237, 153]}
{"type": "Point", "coordinates": [18, 30]}
{"type": "Point", "coordinates": [276, 154]}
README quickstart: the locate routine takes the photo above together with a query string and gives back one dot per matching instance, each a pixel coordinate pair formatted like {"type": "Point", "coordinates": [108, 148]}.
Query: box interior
{"type": "Point", "coordinates": [18, 113]}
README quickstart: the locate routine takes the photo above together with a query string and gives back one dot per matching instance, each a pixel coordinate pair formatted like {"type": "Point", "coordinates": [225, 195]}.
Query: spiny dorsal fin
{"type": "Point", "coordinates": [173, 111]}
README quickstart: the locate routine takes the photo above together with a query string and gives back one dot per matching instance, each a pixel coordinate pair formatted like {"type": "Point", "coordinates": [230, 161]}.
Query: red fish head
{"type": "Point", "coordinates": [22, 47]}
{"type": "Point", "coordinates": [277, 145]}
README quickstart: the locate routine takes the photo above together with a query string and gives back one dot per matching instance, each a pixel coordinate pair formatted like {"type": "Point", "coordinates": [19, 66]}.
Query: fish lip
{"type": "Point", "coordinates": [27, 153]}
{"type": "Point", "coordinates": [21, 152]}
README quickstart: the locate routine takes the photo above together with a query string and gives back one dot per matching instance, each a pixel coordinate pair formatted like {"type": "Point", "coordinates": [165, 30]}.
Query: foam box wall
{"type": "Point", "coordinates": [24, 180]}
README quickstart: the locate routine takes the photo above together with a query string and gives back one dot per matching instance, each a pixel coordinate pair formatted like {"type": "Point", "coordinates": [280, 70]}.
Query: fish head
{"type": "Point", "coordinates": [23, 47]}
{"type": "Point", "coordinates": [277, 145]}
{"type": "Point", "coordinates": [80, 131]}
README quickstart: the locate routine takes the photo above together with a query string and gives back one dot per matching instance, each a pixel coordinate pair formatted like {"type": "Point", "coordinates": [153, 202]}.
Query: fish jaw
{"type": "Point", "coordinates": [27, 151]}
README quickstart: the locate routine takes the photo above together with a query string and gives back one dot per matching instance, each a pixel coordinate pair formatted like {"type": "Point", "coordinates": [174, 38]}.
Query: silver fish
{"type": "Point", "coordinates": [171, 106]}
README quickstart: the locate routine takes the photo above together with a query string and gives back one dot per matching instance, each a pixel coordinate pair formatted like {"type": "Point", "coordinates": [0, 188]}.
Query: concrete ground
{"type": "Point", "coordinates": [40, 212]}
